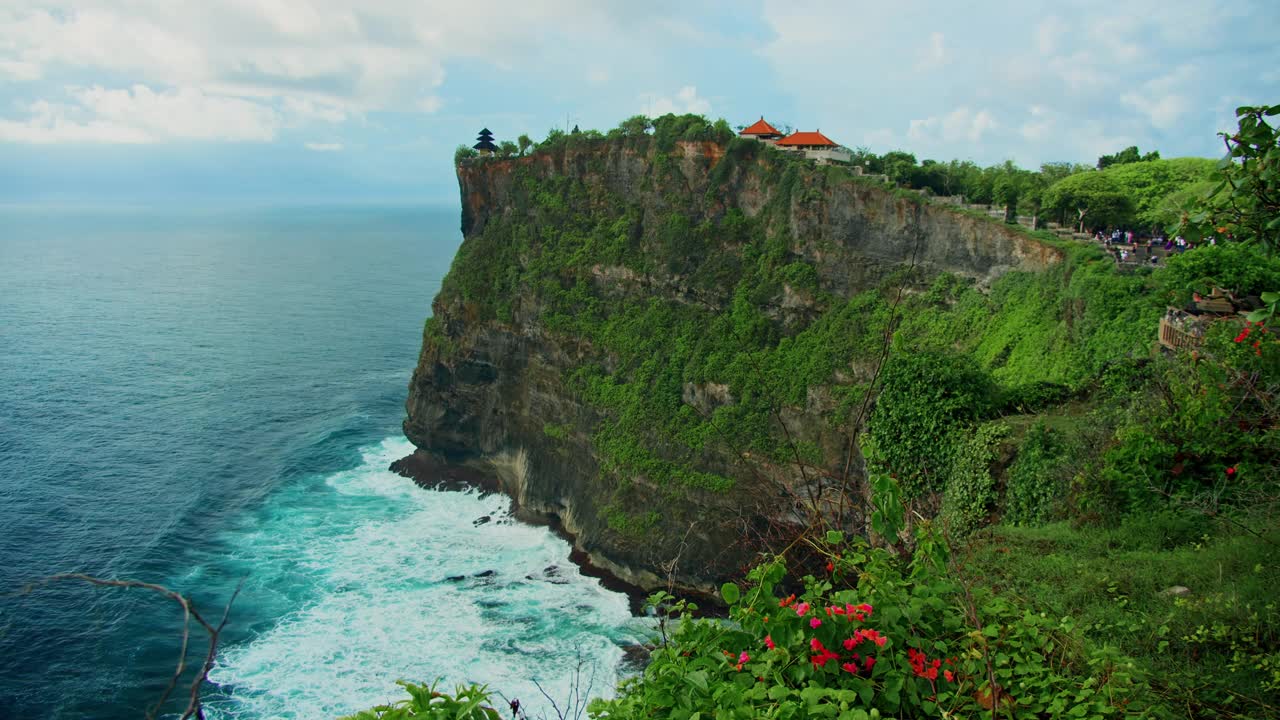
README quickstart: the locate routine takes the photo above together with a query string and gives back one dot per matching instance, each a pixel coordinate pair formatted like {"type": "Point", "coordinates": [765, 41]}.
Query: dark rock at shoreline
{"type": "Point", "coordinates": [432, 473]}
{"type": "Point", "coordinates": [635, 657]}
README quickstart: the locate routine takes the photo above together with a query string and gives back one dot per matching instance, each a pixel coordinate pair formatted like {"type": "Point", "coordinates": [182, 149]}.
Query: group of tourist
{"type": "Point", "coordinates": [1127, 246]}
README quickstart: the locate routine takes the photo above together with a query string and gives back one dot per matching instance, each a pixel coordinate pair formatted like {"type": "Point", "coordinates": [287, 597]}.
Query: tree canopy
{"type": "Point", "coordinates": [1094, 198]}
{"type": "Point", "coordinates": [1125, 156]}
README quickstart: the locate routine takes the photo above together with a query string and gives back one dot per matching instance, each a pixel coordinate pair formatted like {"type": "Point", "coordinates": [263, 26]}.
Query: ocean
{"type": "Point", "coordinates": [202, 399]}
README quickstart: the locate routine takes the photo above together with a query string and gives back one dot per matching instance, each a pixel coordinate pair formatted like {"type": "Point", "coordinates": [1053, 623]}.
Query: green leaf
{"type": "Point", "coordinates": [835, 537]}
{"type": "Point", "coordinates": [1270, 297]}
{"type": "Point", "coordinates": [730, 593]}
{"type": "Point", "coordinates": [697, 679]}
{"type": "Point", "coordinates": [1258, 315]}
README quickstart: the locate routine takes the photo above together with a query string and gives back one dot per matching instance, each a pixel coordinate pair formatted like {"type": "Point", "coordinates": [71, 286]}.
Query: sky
{"type": "Point", "coordinates": [260, 101]}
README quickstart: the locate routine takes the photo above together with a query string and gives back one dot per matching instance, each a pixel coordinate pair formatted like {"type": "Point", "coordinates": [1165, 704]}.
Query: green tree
{"type": "Point", "coordinates": [1092, 196]}
{"type": "Point", "coordinates": [1127, 155]}
{"type": "Point", "coordinates": [507, 149]}
{"type": "Point", "coordinates": [961, 178]}
{"type": "Point", "coordinates": [1007, 188]}
{"type": "Point", "coordinates": [1180, 203]}
{"type": "Point", "coordinates": [525, 143]}
{"type": "Point", "coordinates": [1052, 172]}
{"type": "Point", "coordinates": [555, 138]}
{"type": "Point", "coordinates": [464, 152]}
{"type": "Point", "coordinates": [1245, 204]}
{"type": "Point", "coordinates": [899, 166]}
{"type": "Point", "coordinates": [869, 161]}
{"type": "Point", "coordinates": [723, 133]}
{"type": "Point", "coordinates": [1034, 186]}
{"type": "Point", "coordinates": [1148, 182]}
{"type": "Point", "coordinates": [635, 126]}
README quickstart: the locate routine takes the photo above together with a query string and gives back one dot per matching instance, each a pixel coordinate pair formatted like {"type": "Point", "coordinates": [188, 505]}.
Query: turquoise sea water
{"type": "Point", "coordinates": [193, 398]}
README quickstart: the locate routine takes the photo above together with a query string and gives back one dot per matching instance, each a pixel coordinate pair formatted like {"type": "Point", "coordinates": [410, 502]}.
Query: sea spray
{"type": "Point", "coordinates": [388, 581]}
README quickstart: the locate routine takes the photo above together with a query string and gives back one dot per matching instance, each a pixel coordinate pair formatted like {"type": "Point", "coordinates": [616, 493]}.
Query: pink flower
{"type": "Point", "coordinates": [850, 643]}
{"type": "Point", "coordinates": [802, 608]}
{"type": "Point", "coordinates": [850, 668]}
{"type": "Point", "coordinates": [871, 662]}
{"type": "Point", "coordinates": [768, 642]}
{"type": "Point", "coordinates": [744, 657]}
{"type": "Point", "coordinates": [814, 622]}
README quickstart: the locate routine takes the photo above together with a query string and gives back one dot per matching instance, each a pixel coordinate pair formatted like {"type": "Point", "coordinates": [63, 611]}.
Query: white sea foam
{"type": "Point", "coordinates": [369, 563]}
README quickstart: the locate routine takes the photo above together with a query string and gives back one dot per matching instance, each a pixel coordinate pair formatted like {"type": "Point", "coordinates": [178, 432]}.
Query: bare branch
{"type": "Point", "coordinates": [189, 613]}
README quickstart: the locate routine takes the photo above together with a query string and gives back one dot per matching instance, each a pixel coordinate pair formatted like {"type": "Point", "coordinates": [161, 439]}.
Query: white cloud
{"type": "Point", "coordinates": [1166, 98]}
{"type": "Point", "coordinates": [685, 101]}
{"type": "Point", "coordinates": [325, 61]}
{"type": "Point", "coordinates": [935, 54]}
{"type": "Point", "coordinates": [1038, 127]}
{"type": "Point", "coordinates": [1092, 65]}
{"type": "Point", "coordinates": [47, 123]}
{"type": "Point", "coordinates": [597, 76]}
{"type": "Point", "coordinates": [1048, 33]}
{"type": "Point", "coordinates": [323, 147]}
{"type": "Point", "coordinates": [313, 109]}
{"type": "Point", "coordinates": [19, 70]}
{"type": "Point", "coordinates": [961, 124]}
{"type": "Point", "coordinates": [880, 139]}
{"type": "Point", "coordinates": [141, 115]}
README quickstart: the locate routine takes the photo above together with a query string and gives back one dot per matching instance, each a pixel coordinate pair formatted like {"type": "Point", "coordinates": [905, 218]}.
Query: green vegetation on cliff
{"type": "Point", "coordinates": [716, 347]}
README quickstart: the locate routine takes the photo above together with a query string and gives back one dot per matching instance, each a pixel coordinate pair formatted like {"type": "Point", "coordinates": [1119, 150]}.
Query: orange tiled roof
{"type": "Point", "coordinates": [760, 127]}
{"type": "Point", "coordinates": [807, 138]}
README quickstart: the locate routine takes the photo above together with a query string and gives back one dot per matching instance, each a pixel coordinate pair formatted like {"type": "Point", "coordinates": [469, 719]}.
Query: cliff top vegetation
{"type": "Point", "coordinates": [1055, 518]}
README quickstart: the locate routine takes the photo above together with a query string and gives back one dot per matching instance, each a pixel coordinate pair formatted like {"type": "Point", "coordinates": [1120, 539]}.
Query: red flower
{"type": "Point", "coordinates": [851, 643]}
{"type": "Point", "coordinates": [823, 655]}
{"type": "Point", "coordinates": [830, 567]}
{"type": "Point", "coordinates": [814, 622]}
{"type": "Point", "coordinates": [768, 642]}
{"type": "Point", "coordinates": [850, 668]}
{"type": "Point", "coordinates": [1231, 471]}
{"type": "Point", "coordinates": [787, 601]}
{"type": "Point", "coordinates": [821, 659]}
{"type": "Point", "coordinates": [950, 676]}
{"type": "Point", "coordinates": [871, 662]}
{"type": "Point", "coordinates": [802, 608]}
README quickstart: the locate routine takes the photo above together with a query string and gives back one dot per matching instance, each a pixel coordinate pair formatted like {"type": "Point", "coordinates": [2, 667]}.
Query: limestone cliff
{"type": "Point", "coordinates": [622, 340]}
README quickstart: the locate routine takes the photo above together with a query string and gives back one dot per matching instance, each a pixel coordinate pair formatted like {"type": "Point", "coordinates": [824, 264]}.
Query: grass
{"type": "Point", "coordinates": [1210, 653]}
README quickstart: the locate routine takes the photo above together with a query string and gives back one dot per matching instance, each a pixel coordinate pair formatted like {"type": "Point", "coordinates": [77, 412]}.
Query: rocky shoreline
{"type": "Point", "coordinates": [432, 473]}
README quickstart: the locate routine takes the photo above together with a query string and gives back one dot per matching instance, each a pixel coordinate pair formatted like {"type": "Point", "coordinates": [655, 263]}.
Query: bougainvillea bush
{"type": "Point", "coordinates": [872, 637]}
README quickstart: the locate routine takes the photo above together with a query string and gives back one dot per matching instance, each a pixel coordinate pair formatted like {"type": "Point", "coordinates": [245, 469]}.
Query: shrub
{"type": "Point", "coordinates": [970, 492]}
{"type": "Point", "coordinates": [466, 703]}
{"type": "Point", "coordinates": [871, 638]}
{"type": "Point", "coordinates": [924, 396]}
{"type": "Point", "coordinates": [1033, 489]}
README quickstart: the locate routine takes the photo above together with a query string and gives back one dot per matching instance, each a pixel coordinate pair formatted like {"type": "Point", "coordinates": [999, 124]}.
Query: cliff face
{"type": "Point", "coordinates": [621, 341]}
